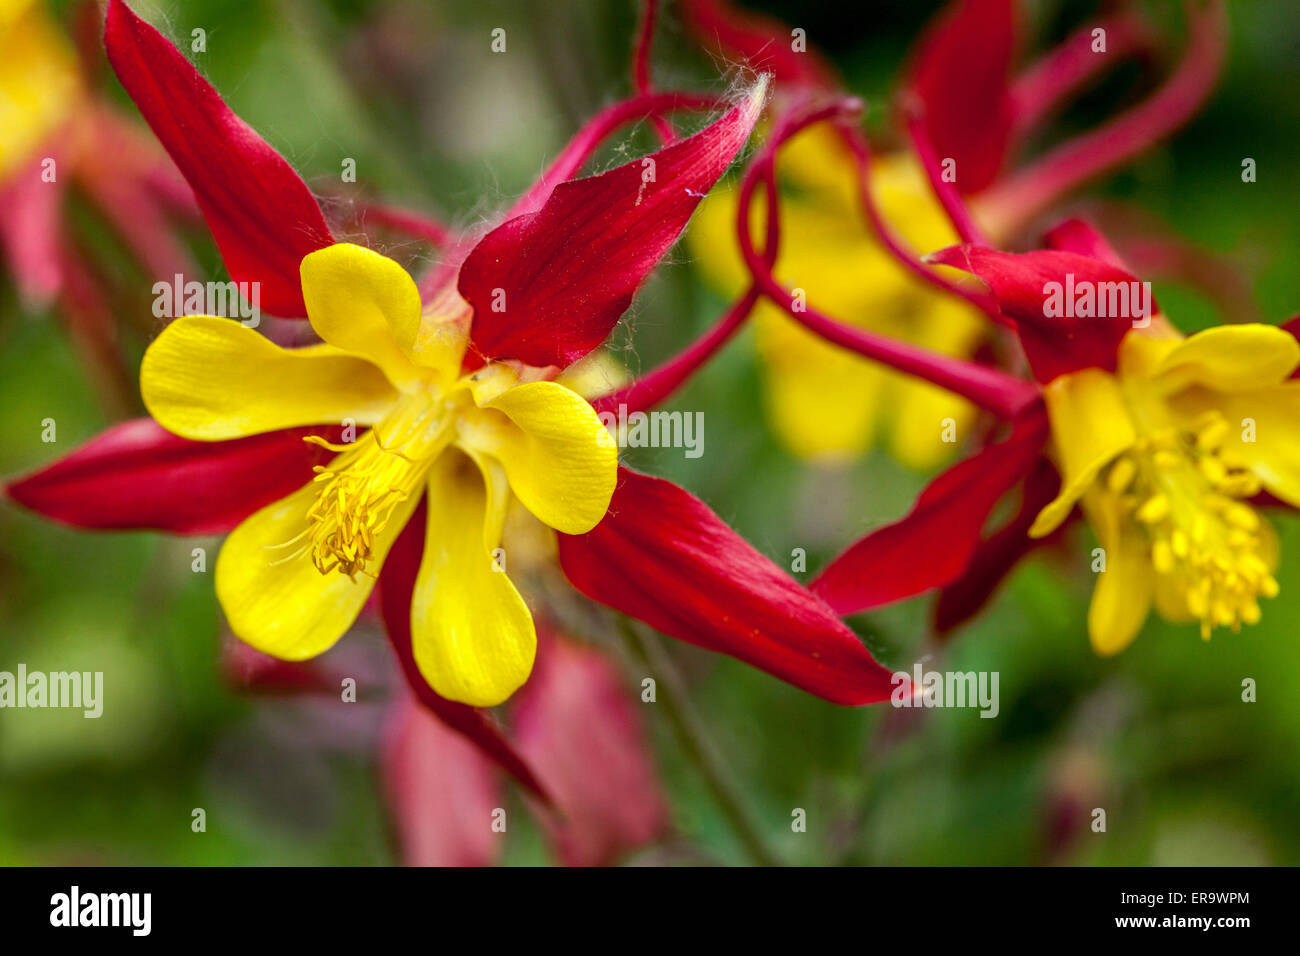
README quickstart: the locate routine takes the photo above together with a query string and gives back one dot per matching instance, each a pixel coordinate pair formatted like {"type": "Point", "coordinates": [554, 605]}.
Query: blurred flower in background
{"type": "Point", "coordinates": [961, 106]}
{"type": "Point", "coordinates": [64, 137]}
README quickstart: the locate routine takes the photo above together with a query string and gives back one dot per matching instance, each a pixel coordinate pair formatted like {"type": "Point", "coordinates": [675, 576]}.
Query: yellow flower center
{"type": "Point", "coordinates": [1205, 540]}
{"type": "Point", "coordinates": [360, 489]}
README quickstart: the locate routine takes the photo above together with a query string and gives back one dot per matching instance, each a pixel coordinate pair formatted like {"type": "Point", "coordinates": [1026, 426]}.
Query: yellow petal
{"type": "Point", "coordinates": [472, 634]}
{"type": "Point", "coordinates": [287, 608]}
{"type": "Point", "coordinates": [1122, 598]}
{"type": "Point", "coordinates": [1230, 358]}
{"type": "Point", "coordinates": [561, 461]}
{"type": "Point", "coordinates": [1263, 432]}
{"type": "Point", "coordinates": [499, 501]}
{"type": "Point", "coordinates": [211, 379]}
{"type": "Point", "coordinates": [363, 303]}
{"type": "Point", "coordinates": [1090, 426]}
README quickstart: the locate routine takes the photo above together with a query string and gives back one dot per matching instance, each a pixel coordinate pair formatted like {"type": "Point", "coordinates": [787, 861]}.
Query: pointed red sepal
{"type": "Point", "coordinates": [576, 713]}
{"type": "Point", "coordinates": [1045, 295]}
{"type": "Point", "coordinates": [548, 287]}
{"type": "Point", "coordinates": [996, 556]}
{"type": "Point", "coordinates": [1085, 239]}
{"type": "Point", "coordinates": [138, 475]}
{"type": "Point", "coordinates": [262, 215]}
{"type": "Point", "coordinates": [763, 43]}
{"type": "Point", "coordinates": [960, 81]}
{"type": "Point", "coordinates": [441, 790]}
{"type": "Point", "coordinates": [661, 555]}
{"type": "Point", "coordinates": [396, 586]}
{"type": "Point", "coordinates": [932, 546]}
{"type": "Point", "coordinates": [31, 234]}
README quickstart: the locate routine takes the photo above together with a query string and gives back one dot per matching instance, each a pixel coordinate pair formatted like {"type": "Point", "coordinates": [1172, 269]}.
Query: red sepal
{"type": "Point", "coordinates": [547, 287]}
{"type": "Point", "coordinates": [1059, 344]}
{"type": "Point", "coordinates": [661, 555]}
{"type": "Point", "coordinates": [998, 554]}
{"type": "Point", "coordinates": [933, 544]}
{"type": "Point", "coordinates": [1082, 237]}
{"type": "Point", "coordinates": [262, 215]}
{"type": "Point", "coordinates": [138, 475]}
{"type": "Point", "coordinates": [961, 77]}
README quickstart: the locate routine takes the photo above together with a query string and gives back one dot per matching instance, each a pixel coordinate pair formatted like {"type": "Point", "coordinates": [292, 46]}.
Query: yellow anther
{"type": "Point", "coordinates": [1121, 475]}
{"type": "Point", "coordinates": [1213, 470]}
{"type": "Point", "coordinates": [1179, 544]}
{"type": "Point", "coordinates": [1241, 485]}
{"type": "Point", "coordinates": [1241, 516]}
{"type": "Point", "coordinates": [1162, 556]}
{"type": "Point", "coordinates": [1153, 510]}
{"type": "Point", "coordinates": [1212, 436]}
{"type": "Point", "coordinates": [1204, 538]}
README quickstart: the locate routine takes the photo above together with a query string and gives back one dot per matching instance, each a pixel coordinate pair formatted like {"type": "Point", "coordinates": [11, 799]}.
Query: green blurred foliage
{"type": "Point", "coordinates": [1159, 737]}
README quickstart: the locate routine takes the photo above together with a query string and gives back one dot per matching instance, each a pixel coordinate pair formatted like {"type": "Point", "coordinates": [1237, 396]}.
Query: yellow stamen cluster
{"type": "Point", "coordinates": [358, 493]}
{"type": "Point", "coordinates": [360, 489]}
{"type": "Point", "coordinates": [1205, 540]}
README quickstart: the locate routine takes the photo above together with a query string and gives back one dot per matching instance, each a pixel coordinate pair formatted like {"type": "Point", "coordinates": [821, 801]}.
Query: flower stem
{"type": "Point", "coordinates": [694, 740]}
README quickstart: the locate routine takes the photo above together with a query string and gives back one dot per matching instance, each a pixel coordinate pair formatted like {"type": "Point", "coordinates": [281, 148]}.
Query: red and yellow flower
{"type": "Point", "coordinates": [1167, 443]}
{"type": "Point", "coordinates": [456, 385]}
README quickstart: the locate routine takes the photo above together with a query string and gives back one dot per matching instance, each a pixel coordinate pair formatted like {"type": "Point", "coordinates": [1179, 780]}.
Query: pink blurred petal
{"type": "Point", "coordinates": [577, 723]}
{"type": "Point", "coordinates": [30, 234]}
{"type": "Point", "coordinates": [441, 789]}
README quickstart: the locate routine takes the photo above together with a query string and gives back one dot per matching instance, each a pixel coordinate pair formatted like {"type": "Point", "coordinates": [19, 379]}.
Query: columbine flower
{"type": "Point", "coordinates": [962, 108]}
{"type": "Point", "coordinates": [456, 380]}
{"type": "Point", "coordinates": [1165, 442]}
{"type": "Point", "coordinates": [293, 576]}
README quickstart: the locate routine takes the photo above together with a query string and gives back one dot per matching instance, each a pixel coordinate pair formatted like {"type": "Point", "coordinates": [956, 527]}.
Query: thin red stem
{"type": "Point", "coordinates": [641, 64]}
{"type": "Point", "coordinates": [598, 128]}
{"type": "Point", "coordinates": [1016, 200]}
{"type": "Point", "coordinates": [907, 258]}
{"type": "Point", "coordinates": [946, 192]}
{"type": "Point", "coordinates": [656, 386]}
{"type": "Point", "coordinates": [1045, 85]}
{"type": "Point", "coordinates": [991, 389]}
